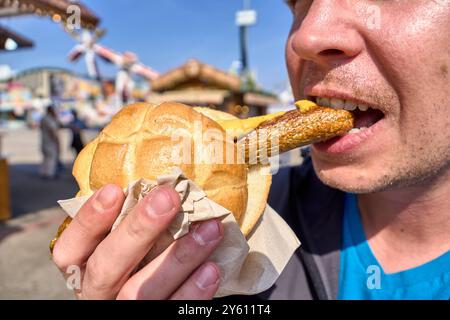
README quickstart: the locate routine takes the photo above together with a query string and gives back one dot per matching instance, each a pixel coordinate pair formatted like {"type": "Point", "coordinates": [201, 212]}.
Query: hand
{"type": "Point", "coordinates": [107, 259]}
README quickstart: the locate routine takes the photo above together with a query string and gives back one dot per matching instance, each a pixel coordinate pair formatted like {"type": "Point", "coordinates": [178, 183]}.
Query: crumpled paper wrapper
{"type": "Point", "coordinates": [248, 266]}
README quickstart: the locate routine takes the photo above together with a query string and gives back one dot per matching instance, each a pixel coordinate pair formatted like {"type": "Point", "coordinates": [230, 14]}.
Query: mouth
{"type": "Point", "coordinates": [367, 120]}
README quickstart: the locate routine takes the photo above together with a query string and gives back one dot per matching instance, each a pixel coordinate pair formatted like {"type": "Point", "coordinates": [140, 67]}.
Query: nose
{"type": "Point", "coordinates": [328, 34]}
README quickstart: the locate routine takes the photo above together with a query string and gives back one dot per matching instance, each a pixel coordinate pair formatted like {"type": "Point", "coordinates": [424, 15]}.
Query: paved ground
{"type": "Point", "coordinates": [26, 270]}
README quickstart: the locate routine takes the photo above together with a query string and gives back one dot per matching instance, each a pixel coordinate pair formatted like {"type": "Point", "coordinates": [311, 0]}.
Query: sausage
{"type": "Point", "coordinates": [294, 129]}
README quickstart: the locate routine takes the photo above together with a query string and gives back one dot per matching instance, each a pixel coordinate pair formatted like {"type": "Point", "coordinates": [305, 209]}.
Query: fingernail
{"type": "Point", "coordinates": [106, 198]}
{"type": "Point", "coordinates": [207, 232]}
{"type": "Point", "coordinates": [208, 276]}
{"type": "Point", "coordinates": [159, 202]}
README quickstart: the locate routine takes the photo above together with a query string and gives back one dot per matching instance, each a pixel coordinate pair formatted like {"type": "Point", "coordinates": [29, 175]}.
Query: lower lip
{"type": "Point", "coordinates": [349, 142]}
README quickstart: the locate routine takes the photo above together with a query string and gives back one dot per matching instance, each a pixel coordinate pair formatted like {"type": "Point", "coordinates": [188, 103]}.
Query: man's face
{"type": "Point", "coordinates": [393, 56]}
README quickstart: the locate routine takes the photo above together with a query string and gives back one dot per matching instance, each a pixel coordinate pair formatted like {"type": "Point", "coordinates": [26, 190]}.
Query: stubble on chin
{"type": "Point", "coordinates": [422, 173]}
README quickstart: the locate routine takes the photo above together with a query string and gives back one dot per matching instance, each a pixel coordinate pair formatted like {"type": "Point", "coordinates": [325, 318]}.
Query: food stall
{"type": "Point", "coordinates": [58, 11]}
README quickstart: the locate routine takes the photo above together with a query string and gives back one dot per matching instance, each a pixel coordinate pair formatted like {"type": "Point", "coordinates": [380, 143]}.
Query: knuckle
{"type": "Point", "coordinates": [135, 227]}
{"type": "Point", "coordinates": [96, 275]}
{"type": "Point", "coordinates": [60, 259]}
{"type": "Point", "coordinates": [83, 226]}
{"type": "Point", "coordinates": [184, 249]}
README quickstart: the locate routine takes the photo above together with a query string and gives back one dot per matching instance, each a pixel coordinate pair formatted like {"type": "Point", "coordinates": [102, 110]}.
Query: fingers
{"type": "Point", "coordinates": [166, 273]}
{"type": "Point", "coordinates": [202, 285]}
{"type": "Point", "coordinates": [121, 251]}
{"type": "Point", "coordinates": [88, 228]}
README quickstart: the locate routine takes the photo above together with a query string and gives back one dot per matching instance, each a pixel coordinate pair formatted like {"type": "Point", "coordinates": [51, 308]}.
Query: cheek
{"type": "Point", "coordinates": [424, 123]}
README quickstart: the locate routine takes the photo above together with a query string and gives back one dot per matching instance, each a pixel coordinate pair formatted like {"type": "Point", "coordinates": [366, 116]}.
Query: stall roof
{"type": "Point", "coordinates": [199, 83]}
{"type": "Point", "coordinates": [10, 40]}
{"type": "Point", "coordinates": [194, 69]}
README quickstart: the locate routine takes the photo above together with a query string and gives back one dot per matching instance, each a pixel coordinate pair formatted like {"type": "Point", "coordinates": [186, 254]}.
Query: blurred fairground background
{"type": "Point", "coordinates": [86, 60]}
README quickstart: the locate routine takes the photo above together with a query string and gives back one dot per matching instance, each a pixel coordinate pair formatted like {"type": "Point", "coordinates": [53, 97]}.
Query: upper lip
{"type": "Point", "coordinates": [317, 91]}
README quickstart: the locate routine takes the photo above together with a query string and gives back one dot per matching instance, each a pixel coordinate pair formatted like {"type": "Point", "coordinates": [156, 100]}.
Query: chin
{"type": "Point", "coordinates": [371, 177]}
{"type": "Point", "coordinates": [350, 178]}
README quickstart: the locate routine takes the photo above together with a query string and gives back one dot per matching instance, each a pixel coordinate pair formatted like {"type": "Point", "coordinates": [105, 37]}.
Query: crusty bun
{"type": "Point", "coordinates": [138, 143]}
{"type": "Point", "coordinates": [259, 180]}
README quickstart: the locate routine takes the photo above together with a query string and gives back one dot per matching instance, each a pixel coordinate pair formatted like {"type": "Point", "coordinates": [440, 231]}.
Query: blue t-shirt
{"type": "Point", "coordinates": [362, 277]}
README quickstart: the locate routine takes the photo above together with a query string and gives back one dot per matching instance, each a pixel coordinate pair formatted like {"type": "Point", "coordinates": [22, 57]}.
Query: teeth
{"type": "Point", "coordinates": [337, 103]}
{"type": "Point", "coordinates": [349, 105]}
{"type": "Point", "coordinates": [357, 130]}
{"type": "Point", "coordinates": [340, 104]}
{"type": "Point", "coordinates": [363, 107]}
{"type": "Point", "coordinates": [323, 102]}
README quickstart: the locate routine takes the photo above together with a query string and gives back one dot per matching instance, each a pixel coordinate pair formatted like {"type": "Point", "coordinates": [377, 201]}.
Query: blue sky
{"type": "Point", "coordinates": [164, 34]}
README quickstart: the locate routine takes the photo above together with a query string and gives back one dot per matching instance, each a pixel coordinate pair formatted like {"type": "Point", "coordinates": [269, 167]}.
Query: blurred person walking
{"type": "Point", "coordinates": [49, 144]}
{"type": "Point", "coordinates": [75, 128]}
